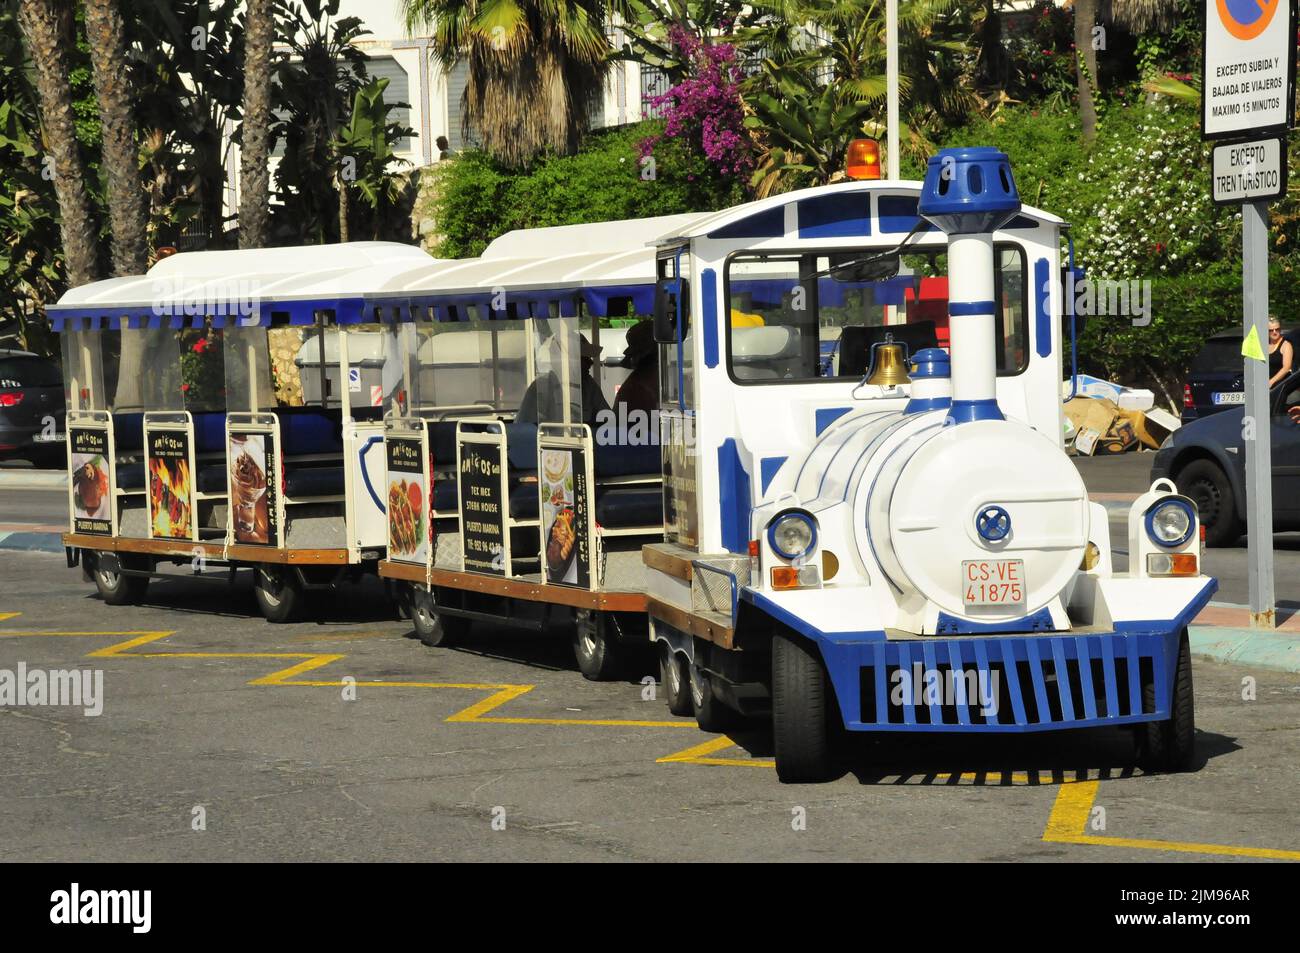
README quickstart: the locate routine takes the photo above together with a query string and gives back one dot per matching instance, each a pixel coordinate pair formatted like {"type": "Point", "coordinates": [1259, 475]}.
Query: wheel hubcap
{"type": "Point", "coordinates": [1206, 497]}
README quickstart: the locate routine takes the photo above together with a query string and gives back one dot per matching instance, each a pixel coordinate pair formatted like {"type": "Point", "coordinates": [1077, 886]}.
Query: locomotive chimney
{"type": "Point", "coordinates": [969, 194]}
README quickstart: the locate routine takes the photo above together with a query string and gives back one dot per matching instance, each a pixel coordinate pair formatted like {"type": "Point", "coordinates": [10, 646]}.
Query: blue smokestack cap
{"type": "Point", "coordinates": [930, 362]}
{"type": "Point", "coordinates": [969, 191]}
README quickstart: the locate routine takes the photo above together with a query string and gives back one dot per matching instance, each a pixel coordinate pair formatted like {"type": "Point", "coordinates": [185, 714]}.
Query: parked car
{"type": "Point", "coordinates": [1206, 460]}
{"type": "Point", "coordinates": [31, 397]}
{"type": "Point", "coordinates": [1214, 379]}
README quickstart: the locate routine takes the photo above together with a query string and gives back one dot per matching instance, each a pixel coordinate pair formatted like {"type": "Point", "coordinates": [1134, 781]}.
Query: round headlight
{"type": "Point", "coordinates": [1170, 522]}
{"type": "Point", "coordinates": [792, 534]}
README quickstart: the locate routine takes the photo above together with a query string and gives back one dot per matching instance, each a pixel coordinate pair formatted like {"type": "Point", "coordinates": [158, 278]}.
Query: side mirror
{"type": "Point", "coordinates": [665, 316]}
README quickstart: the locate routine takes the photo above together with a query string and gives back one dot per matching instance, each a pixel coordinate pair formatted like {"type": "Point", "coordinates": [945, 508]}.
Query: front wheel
{"type": "Point", "coordinates": [278, 594]}
{"type": "Point", "coordinates": [801, 712]}
{"type": "Point", "coordinates": [1170, 745]}
{"type": "Point", "coordinates": [596, 647]}
{"type": "Point", "coordinates": [432, 627]}
{"type": "Point", "coordinates": [1208, 487]}
{"type": "Point", "coordinates": [117, 588]}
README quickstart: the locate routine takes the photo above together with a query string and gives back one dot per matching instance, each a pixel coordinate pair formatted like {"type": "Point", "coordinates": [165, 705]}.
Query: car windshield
{"type": "Point", "coordinates": [29, 372]}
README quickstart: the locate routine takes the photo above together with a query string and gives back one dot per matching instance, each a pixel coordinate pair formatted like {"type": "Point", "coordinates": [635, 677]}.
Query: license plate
{"type": "Point", "coordinates": [993, 582]}
{"type": "Point", "coordinates": [1229, 397]}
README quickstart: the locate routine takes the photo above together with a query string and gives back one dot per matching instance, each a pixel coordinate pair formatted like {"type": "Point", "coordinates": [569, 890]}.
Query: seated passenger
{"type": "Point", "coordinates": [640, 391]}
{"type": "Point", "coordinates": [549, 407]}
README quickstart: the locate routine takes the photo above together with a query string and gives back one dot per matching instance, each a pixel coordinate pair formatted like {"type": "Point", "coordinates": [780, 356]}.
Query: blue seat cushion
{"type": "Point", "coordinates": [313, 481]}
{"type": "Point", "coordinates": [442, 442]}
{"type": "Point", "coordinates": [128, 431]}
{"type": "Point", "coordinates": [523, 501]}
{"type": "Point", "coordinates": [616, 460]}
{"type": "Point", "coordinates": [212, 478]}
{"type": "Point", "coordinates": [521, 446]}
{"type": "Point", "coordinates": [308, 430]}
{"type": "Point", "coordinates": [623, 506]}
{"type": "Point", "coordinates": [130, 476]}
{"type": "Point", "coordinates": [210, 433]}
{"type": "Point", "coordinates": [445, 496]}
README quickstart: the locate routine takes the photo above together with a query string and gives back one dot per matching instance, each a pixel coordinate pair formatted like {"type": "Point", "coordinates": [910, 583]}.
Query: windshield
{"type": "Point", "coordinates": [792, 319]}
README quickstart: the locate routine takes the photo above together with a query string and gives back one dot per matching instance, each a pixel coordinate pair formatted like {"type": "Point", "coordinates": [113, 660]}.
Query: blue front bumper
{"type": "Point", "coordinates": [1006, 683]}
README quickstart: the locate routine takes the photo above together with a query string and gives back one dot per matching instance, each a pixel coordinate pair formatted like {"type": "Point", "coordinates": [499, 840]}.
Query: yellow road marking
{"type": "Point", "coordinates": [1073, 807]}
{"type": "Point", "coordinates": [1069, 817]}
{"type": "Point", "coordinates": [305, 662]}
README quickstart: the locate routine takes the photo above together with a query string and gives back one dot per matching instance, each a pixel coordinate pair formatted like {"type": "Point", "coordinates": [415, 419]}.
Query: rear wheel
{"type": "Point", "coordinates": [1207, 485]}
{"type": "Point", "coordinates": [278, 593]}
{"type": "Point", "coordinates": [117, 588]}
{"type": "Point", "coordinates": [710, 713]}
{"type": "Point", "coordinates": [1170, 745]}
{"type": "Point", "coordinates": [801, 703]}
{"type": "Point", "coordinates": [432, 627]}
{"type": "Point", "coordinates": [675, 676]}
{"type": "Point", "coordinates": [596, 647]}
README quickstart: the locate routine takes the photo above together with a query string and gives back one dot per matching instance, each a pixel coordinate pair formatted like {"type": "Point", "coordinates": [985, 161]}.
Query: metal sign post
{"type": "Point", "coordinates": [891, 89]}
{"type": "Point", "coordinates": [1248, 95]}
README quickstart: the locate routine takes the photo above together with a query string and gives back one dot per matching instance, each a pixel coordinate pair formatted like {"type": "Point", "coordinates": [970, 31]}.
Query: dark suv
{"type": "Point", "coordinates": [31, 408]}
{"type": "Point", "coordinates": [1214, 379]}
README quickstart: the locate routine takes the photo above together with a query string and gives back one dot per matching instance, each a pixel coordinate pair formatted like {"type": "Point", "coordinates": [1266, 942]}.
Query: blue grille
{"type": "Point", "coordinates": [1033, 683]}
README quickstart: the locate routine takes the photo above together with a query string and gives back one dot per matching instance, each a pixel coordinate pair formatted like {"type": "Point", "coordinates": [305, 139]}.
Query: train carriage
{"type": "Point", "coordinates": [225, 411]}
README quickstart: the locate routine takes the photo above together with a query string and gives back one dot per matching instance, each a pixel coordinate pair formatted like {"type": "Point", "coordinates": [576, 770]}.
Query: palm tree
{"type": "Point", "coordinates": [535, 67]}
{"type": "Point", "coordinates": [255, 127]}
{"type": "Point", "coordinates": [121, 155]}
{"type": "Point", "coordinates": [47, 30]}
{"type": "Point", "coordinates": [1141, 16]}
{"type": "Point", "coordinates": [1085, 66]}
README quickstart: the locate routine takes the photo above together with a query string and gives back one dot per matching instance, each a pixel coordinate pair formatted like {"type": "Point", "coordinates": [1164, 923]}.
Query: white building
{"type": "Point", "coordinates": [434, 96]}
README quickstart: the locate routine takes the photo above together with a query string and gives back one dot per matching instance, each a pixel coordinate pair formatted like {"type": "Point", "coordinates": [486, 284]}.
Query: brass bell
{"type": "Point", "coordinates": [888, 363]}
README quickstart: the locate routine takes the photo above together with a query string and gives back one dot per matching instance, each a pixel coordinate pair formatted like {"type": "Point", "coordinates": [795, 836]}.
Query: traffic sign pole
{"type": "Point", "coordinates": [1257, 422]}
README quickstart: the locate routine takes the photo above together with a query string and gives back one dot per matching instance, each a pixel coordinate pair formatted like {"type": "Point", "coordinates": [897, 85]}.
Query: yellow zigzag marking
{"type": "Point", "coordinates": [1073, 807]}
{"type": "Point", "coordinates": [305, 662]}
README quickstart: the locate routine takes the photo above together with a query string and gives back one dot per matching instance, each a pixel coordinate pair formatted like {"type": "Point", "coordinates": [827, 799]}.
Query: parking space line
{"type": "Point", "coordinates": [305, 662]}
{"type": "Point", "coordinates": [699, 754]}
{"type": "Point", "coordinates": [1073, 808]}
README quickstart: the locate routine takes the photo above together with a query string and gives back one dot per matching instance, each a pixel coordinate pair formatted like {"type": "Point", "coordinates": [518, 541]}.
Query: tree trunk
{"type": "Point", "coordinates": [255, 129]}
{"type": "Point", "coordinates": [47, 28]}
{"type": "Point", "coordinates": [121, 155]}
{"type": "Point", "coordinates": [1085, 66]}
{"type": "Point", "coordinates": [344, 202]}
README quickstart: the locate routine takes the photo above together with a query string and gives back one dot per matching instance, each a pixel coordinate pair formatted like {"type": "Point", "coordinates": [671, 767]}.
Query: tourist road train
{"type": "Point", "coordinates": [832, 490]}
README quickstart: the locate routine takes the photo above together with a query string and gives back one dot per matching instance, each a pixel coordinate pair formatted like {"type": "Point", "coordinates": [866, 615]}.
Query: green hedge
{"type": "Point", "coordinates": [480, 200]}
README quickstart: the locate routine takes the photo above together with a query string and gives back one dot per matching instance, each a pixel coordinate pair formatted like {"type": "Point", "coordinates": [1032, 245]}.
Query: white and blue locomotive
{"type": "Point", "coordinates": [920, 556]}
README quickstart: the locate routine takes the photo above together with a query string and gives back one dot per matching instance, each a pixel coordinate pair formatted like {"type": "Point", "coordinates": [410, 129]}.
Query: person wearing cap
{"type": "Point", "coordinates": [593, 401]}
{"type": "Point", "coordinates": [640, 391]}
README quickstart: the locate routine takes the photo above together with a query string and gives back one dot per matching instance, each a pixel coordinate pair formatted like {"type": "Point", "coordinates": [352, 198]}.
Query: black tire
{"type": "Point", "coordinates": [1207, 485]}
{"type": "Point", "coordinates": [596, 646]}
{"type": "Point", "coordinates": [801, 712]}
{"type": "Point", "coordinates": [117, 588]}
{"type": "Point", "coordinates": [675, 676]}
{"type": "Point", "coordinates": [1170, 745]}
{"type": "Point", "coordinates": [278, 594]}
{"type": "Point", "coordinates": [710, 713]}
{"type": "Point", "coordinates": [432, 627]}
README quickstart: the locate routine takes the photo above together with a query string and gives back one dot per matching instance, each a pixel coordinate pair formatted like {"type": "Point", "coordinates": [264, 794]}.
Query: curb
{"type": "Point", "coordinates": [1279, 651]}
{"type": "Point", "coordinates": [33, 479]}
{"type": "Point", "coordinates": [31, 542]}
